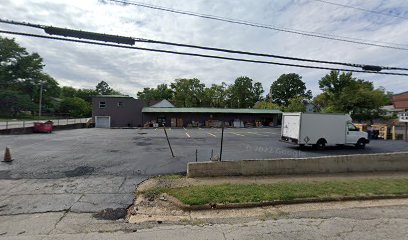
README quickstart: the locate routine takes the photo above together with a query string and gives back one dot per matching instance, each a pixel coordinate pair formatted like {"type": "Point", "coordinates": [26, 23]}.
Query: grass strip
{"type": "Point", "coordinates": [246, 193]}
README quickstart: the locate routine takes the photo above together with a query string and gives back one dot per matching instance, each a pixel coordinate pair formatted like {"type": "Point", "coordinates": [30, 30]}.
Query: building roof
{"type": "Point", "coordinates": [400, 93]}
{"type": "Point", "coordinates": [210, 110]}
{"type": "Point", "coordinates": [391, 108]}
{"type": "Point", "coordinates": [112, 96]}
{"type": "Point", "coordinates": [162, 104]}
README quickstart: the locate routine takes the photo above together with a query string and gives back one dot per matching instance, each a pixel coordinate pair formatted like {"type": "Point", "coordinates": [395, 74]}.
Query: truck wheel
{"type": "Point", "coordinates": [361, 143]}
{"type": "Point", "coordinates": [321, 144]}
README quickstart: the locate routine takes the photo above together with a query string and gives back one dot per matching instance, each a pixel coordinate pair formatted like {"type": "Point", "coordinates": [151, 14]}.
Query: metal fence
{"type": "Point", "coordinates": [6, 124]}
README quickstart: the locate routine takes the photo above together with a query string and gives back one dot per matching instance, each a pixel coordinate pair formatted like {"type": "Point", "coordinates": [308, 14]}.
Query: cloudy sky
{"type": "Point", "coordinates": [83, 66]}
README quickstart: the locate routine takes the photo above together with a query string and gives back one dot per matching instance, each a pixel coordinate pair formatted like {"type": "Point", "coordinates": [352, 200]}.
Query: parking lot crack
{"type": "Point", "coordinates": [123, 182]}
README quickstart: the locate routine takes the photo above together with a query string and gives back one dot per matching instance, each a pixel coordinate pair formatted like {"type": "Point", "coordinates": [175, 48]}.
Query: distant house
{"type": "Point", "coordinates": [400, 101]}
{"type": "Point", "coordinates": [310, 107]}
{"type": "Point", "coordinates": [390, 110]}
{"type": "Point", "coordinates": [163, 104]}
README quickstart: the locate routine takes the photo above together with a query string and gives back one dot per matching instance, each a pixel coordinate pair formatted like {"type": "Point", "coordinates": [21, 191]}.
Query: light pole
{"type": "Point", "coordinates": [40, 102]}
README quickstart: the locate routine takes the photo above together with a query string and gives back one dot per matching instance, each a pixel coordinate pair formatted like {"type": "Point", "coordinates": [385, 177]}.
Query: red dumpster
{"type": "Point", "coordinates": [40, 127]}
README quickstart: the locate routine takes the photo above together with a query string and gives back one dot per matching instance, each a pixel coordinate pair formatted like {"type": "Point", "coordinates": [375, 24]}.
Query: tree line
{"type": "Point", "coordinates": [340, 92]}
{"type": "Point", "coordinates": [22, 76]}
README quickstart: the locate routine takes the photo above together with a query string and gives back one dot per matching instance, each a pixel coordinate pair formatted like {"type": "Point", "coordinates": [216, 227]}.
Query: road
{"type": "Point", "coordinates": [378, 222]}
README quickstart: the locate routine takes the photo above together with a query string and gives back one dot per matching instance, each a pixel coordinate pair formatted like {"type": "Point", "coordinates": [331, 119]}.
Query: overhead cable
{"type": "Point", "coordinates": [265, 26]}
{"type": "Point", "coordinates": [131, 41]}
{"type": "Point", "coordinates": [196, 54]}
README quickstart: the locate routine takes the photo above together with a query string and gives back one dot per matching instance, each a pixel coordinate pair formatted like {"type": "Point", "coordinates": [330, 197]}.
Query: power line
{"type": "Point", "coordinates": [131, 41]}
{"type": "Point", "coordinates": [266, 55]}
{"type": "Point", "coordinates": [264, 26]}
{"type": "Point", "coordinates": [195, 54]}
{"type": "Point", "coordinates": [361, 9]}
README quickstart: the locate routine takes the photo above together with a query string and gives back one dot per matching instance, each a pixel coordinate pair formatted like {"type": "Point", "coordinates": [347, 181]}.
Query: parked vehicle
{"type": "Point", "coordinates": [319, 130]}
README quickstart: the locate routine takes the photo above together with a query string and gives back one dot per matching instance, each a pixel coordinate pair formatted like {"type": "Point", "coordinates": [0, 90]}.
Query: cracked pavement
{"type": "Point", "coordinates": [355, 223]}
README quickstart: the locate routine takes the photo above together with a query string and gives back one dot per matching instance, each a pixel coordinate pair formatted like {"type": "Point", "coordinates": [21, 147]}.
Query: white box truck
{"type": "Point", "coordinates": [319, 130]}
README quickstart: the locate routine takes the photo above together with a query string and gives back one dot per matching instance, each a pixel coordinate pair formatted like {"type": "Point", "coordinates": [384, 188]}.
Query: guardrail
{"type": "Point", "coordinates": [9, 124]}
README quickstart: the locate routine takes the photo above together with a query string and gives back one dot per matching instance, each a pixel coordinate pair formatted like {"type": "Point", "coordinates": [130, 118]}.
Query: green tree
{"type": "Point", "coordinates": [188, 92]}
{"type": "Point", "coordinates": [103, 88]}
{"type": "Point", "coordinates": [162, 91]}
{"type": "Point", "coordinates": [68, 92]}
{"type": "Point", "coordinates": [344, 93]}
{"type": "Point", "coordinates": [215, 96]}
{"type": "Point", "coordinates": [17, 66]}
{"type": "Point", "coordinates": [22, 72]}
{"type": "Point", "coordinates": [86, 94]}
{"type": "Point", "coordinates": [296, 104]}
{"type": "Point", "coordinates": [266, 105]}
{"type": "Point", "coordinates": [75, 107]}
{"type": "Point", "coordinates": [243, 93]}
{"type": "Point", "coordinates": [13, 102]}
{"type": "Point", "coordinates": [286, 87]}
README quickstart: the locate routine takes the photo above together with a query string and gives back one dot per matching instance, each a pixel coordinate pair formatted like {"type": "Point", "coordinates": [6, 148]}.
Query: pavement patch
{"type": "Point", "coordinates": [79, 171]}
{"type": "Point", "coordinates": [95, 202]}
{"type": "Point", "coordinates": [111, 214]}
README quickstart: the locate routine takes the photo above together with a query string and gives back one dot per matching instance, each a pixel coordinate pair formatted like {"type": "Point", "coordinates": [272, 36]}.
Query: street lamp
{"type": "Point", "coordinates": [40, 101]}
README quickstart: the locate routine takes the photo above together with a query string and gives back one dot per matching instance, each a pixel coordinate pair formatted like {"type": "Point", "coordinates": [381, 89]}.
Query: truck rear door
{"type": "Point", "coordinates": [291, 126]}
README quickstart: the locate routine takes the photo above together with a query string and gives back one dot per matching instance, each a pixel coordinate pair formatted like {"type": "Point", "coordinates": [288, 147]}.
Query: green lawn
{"type": "Point", "coordinates": [238, 193]}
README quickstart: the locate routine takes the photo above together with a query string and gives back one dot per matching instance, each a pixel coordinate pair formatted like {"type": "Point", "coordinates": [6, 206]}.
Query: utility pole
{"type": "Point", "coordinates": [222, 139]}
{"type": "Point", "coordinates": [40, 102]}
{"type": "Point", "coordinates": [406, 125]}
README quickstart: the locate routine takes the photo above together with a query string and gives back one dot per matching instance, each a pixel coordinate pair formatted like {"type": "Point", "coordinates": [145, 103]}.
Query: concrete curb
{"type": "Point", "coordinates": [187, 207]}
{"type": "Point", "coordinates": [378, 162]}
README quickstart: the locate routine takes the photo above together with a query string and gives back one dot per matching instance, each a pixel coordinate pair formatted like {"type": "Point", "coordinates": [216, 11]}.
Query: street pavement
{"type": "Point", "coordinates": [381, 222]}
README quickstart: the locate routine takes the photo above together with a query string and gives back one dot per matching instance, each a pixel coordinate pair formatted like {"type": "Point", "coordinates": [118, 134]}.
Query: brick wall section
{"type": "Point", "coordinates": [328, 164]}
{"type": "Point", "coordinates": [400, 100]}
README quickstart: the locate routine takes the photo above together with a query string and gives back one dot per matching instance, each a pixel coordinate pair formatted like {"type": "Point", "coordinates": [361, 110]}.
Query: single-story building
{"type": "Point", "coordinates": [125, 111]}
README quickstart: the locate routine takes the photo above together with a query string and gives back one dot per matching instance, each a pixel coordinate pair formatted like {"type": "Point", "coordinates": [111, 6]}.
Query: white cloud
{"type": "Point", "coordinates": [81, 65]}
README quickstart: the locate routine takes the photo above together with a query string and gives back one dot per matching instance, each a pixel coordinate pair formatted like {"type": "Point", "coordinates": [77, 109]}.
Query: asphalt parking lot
{"type": "Point", "coordinates": [145, 152]}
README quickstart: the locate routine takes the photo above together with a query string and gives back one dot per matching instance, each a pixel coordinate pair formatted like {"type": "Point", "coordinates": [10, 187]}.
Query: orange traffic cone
{"type": "Point", "coordinates": [7, 155]}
